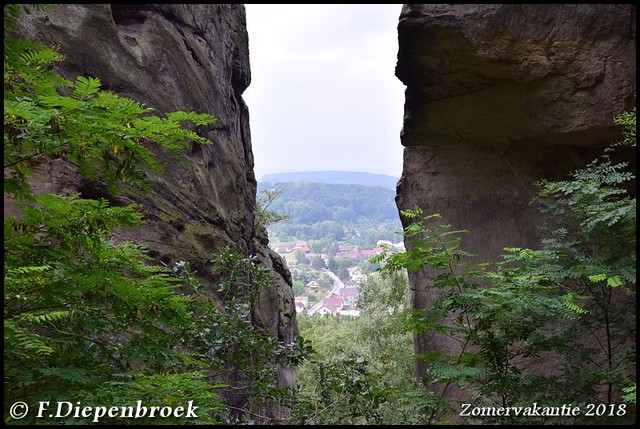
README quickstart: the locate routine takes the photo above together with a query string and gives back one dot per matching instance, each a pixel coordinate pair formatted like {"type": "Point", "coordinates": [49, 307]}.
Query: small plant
{"type": "Point", "coordinates": [571, 301]}
{"type": "Point", "coordinates": [88, 319]}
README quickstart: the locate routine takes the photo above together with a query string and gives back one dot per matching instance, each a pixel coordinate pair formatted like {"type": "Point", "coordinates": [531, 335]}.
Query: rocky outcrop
{"type": "Point", "coordinates": [191, 57]}
{"type": "Point", "coordinates": [498, 97]}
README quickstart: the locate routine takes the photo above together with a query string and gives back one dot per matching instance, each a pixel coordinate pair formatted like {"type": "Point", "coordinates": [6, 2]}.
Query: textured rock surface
{"type": "Point", "coordinates": [191, 57]}
{"type": "Point", "coordinates": [497, 97]}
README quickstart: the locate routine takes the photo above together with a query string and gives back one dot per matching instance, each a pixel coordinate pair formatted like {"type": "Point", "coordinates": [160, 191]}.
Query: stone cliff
{"type": "Point", "coordinates": [191, 57]}
{"type": "Point", "coordinates": [497, 97]}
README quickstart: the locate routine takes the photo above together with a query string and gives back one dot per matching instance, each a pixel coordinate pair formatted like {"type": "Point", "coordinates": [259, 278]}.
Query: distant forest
{"type": "Point", "coordinates": [334, 211]}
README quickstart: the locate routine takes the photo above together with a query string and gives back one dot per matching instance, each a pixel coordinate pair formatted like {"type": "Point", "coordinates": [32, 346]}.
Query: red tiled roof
{"type": "Point", "coordinates": [334, 304]}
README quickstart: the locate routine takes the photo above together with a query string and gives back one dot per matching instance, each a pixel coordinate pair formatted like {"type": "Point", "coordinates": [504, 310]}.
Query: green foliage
{"type": "Point", "coordinates": [627, 120]}
{"type": "Point", "coordinates": [298, 288]}
{"type": "Point", "coordinates": [358, 366]}
{"type": "Point", "coordinates": [317, 262]}
{"type": "Point", "coordinates": [87, 319]}
{"type": "Point", "coordinates": [344, 393]}
{"type": "Point", "coordinates": [231, 345]}
{"type": "Point", "coordinates": [299, 257]}
{"type": "Point", "coordinates": [629, 394]}
{"type": "Point", "coordinates": [571, 302]}
{"type": "Point", "coordinates": [433, 245]}
{"type": "Point", "coordinates": [360, 214]}
{"type": "Point", "coordinates": [337, 386]}
{"type": "Point", "coordinates": [109, 137]}
{"type": "Point", "coordinates": [264, 216]}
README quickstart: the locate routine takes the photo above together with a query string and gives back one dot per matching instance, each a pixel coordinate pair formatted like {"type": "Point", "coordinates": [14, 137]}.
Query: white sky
{"type": "Point", "coordinates": [323, 93]}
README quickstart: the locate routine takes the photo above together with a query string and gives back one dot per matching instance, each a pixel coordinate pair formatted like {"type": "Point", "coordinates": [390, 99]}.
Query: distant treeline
{"type": "Point", "coordinates": [315, 202]}
{"type": "Point", "coordinates": [321, 210]}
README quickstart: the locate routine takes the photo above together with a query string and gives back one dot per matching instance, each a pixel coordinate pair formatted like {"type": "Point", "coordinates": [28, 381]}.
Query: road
{"type": "Point", "coordinates": [337, 285]}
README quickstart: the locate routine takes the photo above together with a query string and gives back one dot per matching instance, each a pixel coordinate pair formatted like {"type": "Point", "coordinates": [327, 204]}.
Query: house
{"type": "Point", "coordinates": [370, 253]}
{"type": "Point", "coordinates": [347, 301]}
{"type": "Point", "coordinates": [333, 303]}
{"type": "Point", "coordinates": [312, 285]}
{"type": "Point", "coordinates": [353, 254]}
{"type": "Point", "coordinates": [350, 283]}
{"type": "Point", "coordinates": [354, 271]}
{"type": "Point", "coordinates": [300, 307]}
{"type": "Point", "coordinates": [323, 311]}
{"type": "Point", "coordinates": [330, 306]}
{"type": "Point", "coordinates": [367, 253]}
{"type": "Point", "coordinates": [300, 244]}
{"type": "Point", "coordinates": [356, 274]}
{"type": "Point", "coordinates": [304, 300]}
{"type": "Point", "coordinates": [343, 250]}
{"type": "Point", "coordinates": [305, 249]}
{"type": "Point", "coordinates": [283, 249]}
{"type": "Point", "coordinates": [349, 292]}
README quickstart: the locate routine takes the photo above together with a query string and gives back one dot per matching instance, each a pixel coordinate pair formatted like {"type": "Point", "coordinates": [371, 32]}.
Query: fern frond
{"type": "Point", "coordinates": [569, 302]}
{"type": "Point", "coordinates": [86, 87]}
{"type": "Point", "coordinates": [126, 107]}
{"type": "Point", "coordinates": [41, 57]}
{"type": "Point", "coordinates": [196, 118]}
{"type": "Point", "coordinates": [29, 270]}
{"type": "Point", "coordinates": [41, 318]}
{"type": "Point", "coordinates": [27, 341]}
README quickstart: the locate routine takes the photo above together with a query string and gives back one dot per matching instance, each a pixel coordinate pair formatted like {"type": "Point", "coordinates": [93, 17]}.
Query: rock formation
{"type": "Point", "coordinates": [497, 97]}
{"type": "Point", "coordinates": [192, 57]}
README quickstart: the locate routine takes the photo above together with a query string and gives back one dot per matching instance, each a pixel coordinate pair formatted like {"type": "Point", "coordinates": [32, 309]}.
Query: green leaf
{"type": "Point", "coordinates": [614, 281]}
{"type": "Point", "coordinates": [86, 87]}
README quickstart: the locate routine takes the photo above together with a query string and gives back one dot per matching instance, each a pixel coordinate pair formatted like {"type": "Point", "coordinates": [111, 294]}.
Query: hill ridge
{"type": "Point", "coordinates": [335, 177]}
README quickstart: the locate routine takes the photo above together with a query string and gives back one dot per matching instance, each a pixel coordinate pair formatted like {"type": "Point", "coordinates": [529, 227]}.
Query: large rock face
{"type": "Point", "coordinates": [191, 57]}
{"type": "Point", "coordinates": [497, 97]}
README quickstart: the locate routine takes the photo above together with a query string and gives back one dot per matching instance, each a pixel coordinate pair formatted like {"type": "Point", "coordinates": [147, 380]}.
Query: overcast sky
{"type": "Point", "coordinates": [323, 93]}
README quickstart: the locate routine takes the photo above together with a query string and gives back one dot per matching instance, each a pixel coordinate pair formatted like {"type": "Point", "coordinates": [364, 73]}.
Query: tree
{"type": "Point", "coordinates": [86, 318]}
{"type": "Point", "coordinates": [336, 383]}
{"type": "Point", "coordinates": [572, 301]}
{"type": "Point", "coordinates": [357, 366]}
{"type": "Point", "coordinates": [298, 288]}
{"type": "Point", "coordinates": [343, 273]}
{"type": "Point", "coordinates": [300, 257]}
{"type": "Point", "coordinates": [264, 216]}
{"type": "Point", "coordinates": [107, 136]}
{"type": "Point", "coordinates": [317, 262]}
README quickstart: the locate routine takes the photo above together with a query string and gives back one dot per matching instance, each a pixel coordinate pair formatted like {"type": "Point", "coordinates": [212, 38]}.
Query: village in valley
{"type": "Point", "coordinates": [328, 227]}
{"type": "Point", "coordinates": [327, 282]}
